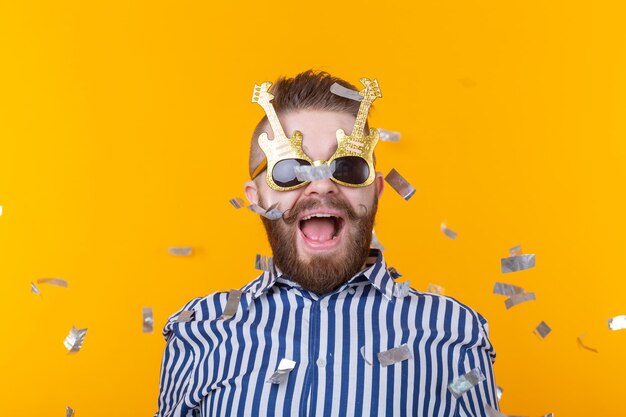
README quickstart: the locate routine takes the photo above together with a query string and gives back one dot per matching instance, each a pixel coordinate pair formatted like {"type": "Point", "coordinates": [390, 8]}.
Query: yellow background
{"type": "Point", "coordinates": [124, 129]}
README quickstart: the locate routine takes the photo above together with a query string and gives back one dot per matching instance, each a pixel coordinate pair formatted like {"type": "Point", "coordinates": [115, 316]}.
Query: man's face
{"type": "Point", "coordinates": [324, 236]}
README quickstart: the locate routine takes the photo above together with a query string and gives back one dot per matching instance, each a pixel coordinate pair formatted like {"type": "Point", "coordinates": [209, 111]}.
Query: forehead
{"type": "Point", "coordinates": [319, 130]}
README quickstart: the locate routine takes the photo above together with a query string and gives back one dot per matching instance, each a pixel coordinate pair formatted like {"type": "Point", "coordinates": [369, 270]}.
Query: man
{"type": "Point", "coordinates": [326, 331]}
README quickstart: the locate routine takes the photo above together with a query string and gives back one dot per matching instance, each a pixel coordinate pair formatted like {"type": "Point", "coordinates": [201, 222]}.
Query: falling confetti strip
{"type": "Point", "coordinates": [366, 357]}
{"type": "Point", "coordinates": [234, 296]}
{"type": "Point", "coordinates": [185, 316]}
{"type": "Point", "coordinates": [516, 299]}
{"type": "Point", "coordinates": [395, 355]}
{"type": "Point", "coordinates": [282, 372]}
{"type": "Point", "coordinates": [399, 184]}
{"type": "Point", "coordinates": [53, 281]}
{"type": "Point", "coordinates": [341, 91]}
{"type": "Point", "coordinates": [517, 263]}
{"type": "Point", "coordinates": [401, 289]}
{"type": "Point", "coordinates": [448, 232]}
{"type": "Point", "coordinates": [500, 288]}
{"type": "Point", "coordinates": [394, 273]}
{"type": "Point", "coordinates": [271, 213]}
{"type": "Point", "coordinates": [263, 263]}
{"type": "Point", "coordinates": [69, 412]}
{"type": "Point", "coordinates": [542, 330]}
{"type": "Point", "coordinates": [515, 250]}
{"type": "Point", "coordinates": [389, 135]}
{"type": "Point", "coordinates": [237, 202]}
{"type": "Point", "coordinates": [74, 340]}
{"type": "Point", "coordinates": [582, 345]}
{"type": "Point", "coordinates": [180, 251]}
{"type": "Point", "coordinates": [499, 391]}
{"type": "Point", "coordinates": [34, 289]}
{"type": "Point", "coordinates": [466, 382]}
{"type": "Point", "coordinates": [376, 243]}
{"type": "Point", "coordinates": [313, 173]}
{"type": "Point", "coordinates": [148, 320]}
{"type": "Point", "coordinates": [435, 289]}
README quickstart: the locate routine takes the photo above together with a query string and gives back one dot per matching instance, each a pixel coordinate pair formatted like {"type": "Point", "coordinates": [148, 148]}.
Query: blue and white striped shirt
{"type": "Point", "coordinates": [220, 367]}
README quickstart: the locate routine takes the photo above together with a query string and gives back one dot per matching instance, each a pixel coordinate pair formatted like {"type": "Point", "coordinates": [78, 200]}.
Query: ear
{"type": "Point", "coordinates": [251, 191]}
{"type": "Point", "coordinates": [379, 180]}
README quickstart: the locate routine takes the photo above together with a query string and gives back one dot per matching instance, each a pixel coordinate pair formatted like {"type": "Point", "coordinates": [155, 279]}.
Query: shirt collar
{"type": "Point", "coordinates": [376, 273]}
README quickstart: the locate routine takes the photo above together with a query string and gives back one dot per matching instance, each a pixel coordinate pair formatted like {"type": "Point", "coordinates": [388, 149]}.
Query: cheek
{"type": "Point", "coordinates": [285, 199]}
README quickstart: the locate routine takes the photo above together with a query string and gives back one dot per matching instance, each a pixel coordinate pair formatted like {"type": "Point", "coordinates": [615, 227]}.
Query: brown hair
{"type": "Point", "coordinates": [309, 90]}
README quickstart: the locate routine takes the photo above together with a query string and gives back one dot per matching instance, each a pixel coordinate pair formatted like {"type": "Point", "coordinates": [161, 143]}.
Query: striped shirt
{"type": "Point", "coordinates": [214, 366]}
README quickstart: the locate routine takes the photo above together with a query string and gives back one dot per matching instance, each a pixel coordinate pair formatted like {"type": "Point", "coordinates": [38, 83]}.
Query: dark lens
{"type": "Point", "coordinates": [284, 174]}
{"type": "Point", "coordinates": [350, 169]}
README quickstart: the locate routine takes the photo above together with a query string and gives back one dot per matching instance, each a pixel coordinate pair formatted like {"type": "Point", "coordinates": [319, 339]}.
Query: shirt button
{"type": "Point", "coordinates": [321, 362]}
{"type": "Point", "coordinates": [351, 290]}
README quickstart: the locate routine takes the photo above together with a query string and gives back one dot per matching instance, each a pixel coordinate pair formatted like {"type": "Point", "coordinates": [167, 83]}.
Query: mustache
{"type": "Point", "coordinates": [290, 216]}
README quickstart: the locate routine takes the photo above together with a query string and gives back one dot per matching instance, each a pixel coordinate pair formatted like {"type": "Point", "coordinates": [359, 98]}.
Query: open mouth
{"type": "Point", "coordinates": [321, 228]}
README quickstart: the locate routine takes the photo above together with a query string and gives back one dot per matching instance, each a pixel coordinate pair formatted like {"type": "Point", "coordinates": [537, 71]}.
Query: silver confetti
{"type": "Point", "coordinates": [448, 232]}
{"type": "Point", "coordinates": [501, 288]}
{"type": "Point", "coordinates": [231, 305]}
{"type": "Point", "coordinates": [69, 412]}
{"type": "Point", "coordinates": [516, 299]}
{"type": "Point", "coordinates": [271, 213]}
{"type": "Point", "coordinates": [398, 354]}
{"type": "Point", "coordinates": [401, 289]}
{"type": "Point", "coordinates": [376, 243]}
{"type": "Point", "coordinates": [74, 340]}
{"type": "Point", "coordinates": [366, 357]}
{"type": "Point", "coordinates": [466, 382]}
{"type": "Point", "coordinates": [388, 135]}
{"type": "Point", "coordinates": [180, 251]}
{"type": "Point", "coordinates": [548, 415]}
{"type": "Point", "coordinates": [185, 316]}
{"type": "Point", "coordinates": [341, 91]}
{"type": "Point", "coordinates": [399, 184]}
{"type": "Point", "coordinates": [493, 412]}
{"type": "Point", "coordinates": [394, 273]}
{"type": "Point", "coordinates": [499, 391]}
{"type": "Point", "coordinates": [517, 263]}
{"type": "Point", "coordinates": [34, 289]}
{"type": "Point", "coordinates": [435, 289]}
{"type": "Point", "coordinates": [282, 372]}
{"type": "Point", "coordinates": [237, 202]}
{"type": "Point", "coordinates": [515, 250]}
{"type": "Point", "coordinates": [53, 281]}
{"type": "Point", "coordinates": [582, 345]}
{"type": "Point", "coordinates": [617, 323]}
{"type": "Point", "coordinates": [263, 263]}
{"type": "Point", "coordinates": [542, 329]}
{"type": "Point", "coordinates": [148, 320]}
{"type": "Point", "coordinates": [313, 173]}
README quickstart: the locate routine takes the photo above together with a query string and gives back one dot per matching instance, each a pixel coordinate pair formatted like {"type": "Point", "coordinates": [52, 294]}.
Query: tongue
{"type": "Point", "coordinates": [319, 229]}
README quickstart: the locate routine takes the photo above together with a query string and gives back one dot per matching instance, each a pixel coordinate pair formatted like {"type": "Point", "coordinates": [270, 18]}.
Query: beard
{"type": "Point", "coordinates": [322, 273]}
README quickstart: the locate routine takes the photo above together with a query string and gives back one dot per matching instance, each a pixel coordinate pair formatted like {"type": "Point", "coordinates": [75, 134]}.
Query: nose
{"type": "Point", "coordinates": [321, 188]}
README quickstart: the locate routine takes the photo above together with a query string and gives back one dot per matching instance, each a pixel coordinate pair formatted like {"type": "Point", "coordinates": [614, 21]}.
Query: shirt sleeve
{"type": "Point", "coordinates": [176, 368]}
{"type": "Point", "coordinates": [480, 355]}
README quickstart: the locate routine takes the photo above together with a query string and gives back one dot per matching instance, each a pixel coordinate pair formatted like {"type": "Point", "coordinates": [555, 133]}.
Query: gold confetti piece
{"type": "Point", "coordinates": [34, 289]}
{"type": "Point", "coordinates": [516, 299]}
{"type": "Point", "coordinates": [74, 340]}
{"type": "Point", "coordinates": [148, 320]}
{"type": "Point", "coordinates": [263, 263]}
{"type": "Point", "coordinates": [232, 304]}
{"type": "Point", "coordinates": [499, 391]}
{"type": "Point", "coordinates": [448, 232]}
{"type": "Point", "coordinates": [435, 289]}
{"type": "Point", "coordinates": [617, 323]}
{"type": "Point", "coordinates": [185, 316]}
{"type": "Point", "coordinates": [375, 242]}
{"type": "Point", "coordinates": [397, 354]}
{"type": "Point", "coordinates": [500, 288]}
{"type": "Point", "coordinates": [271, 213]}
{"type": "Point", "coordinates": [341, 91]}
{"type": "Point", "coordinates": [313, 173]}
{"type": "Point", "coordinates": [582, 345]}
{"type": "Point", "coordinates": [282, 372]}
{"type": "Point", "coordinates": [366, 357]}
{"type": "Point", "coordinates": [399, 184]}
{"type": "Point", "coordinates": [388, 135]}
{"type": "Point", "coordinates": [237, 202]}
{"type": "Point", "coordinates": [53, 281]}
{"type": "Point", "coordinates": [401, 289]}
{"type": "Point", "coordinates": [515, 250]}
{"type": "Point", "coordinates": [517, 263]}
{"type": "Point", "coordinates": [542, 330]}
{"type": "Point", "coordinates": [466, 382]}
{"type": "Point", "coordinates": [69, 412]}
{"type": "Point", "coordinates": [394, 273]}
{"type": "Point", "coordinates": [180, 251]}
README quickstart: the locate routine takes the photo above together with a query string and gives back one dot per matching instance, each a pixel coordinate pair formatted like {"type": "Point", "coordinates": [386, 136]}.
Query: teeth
{"type": "Point", "coordinates": [318, 215]}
